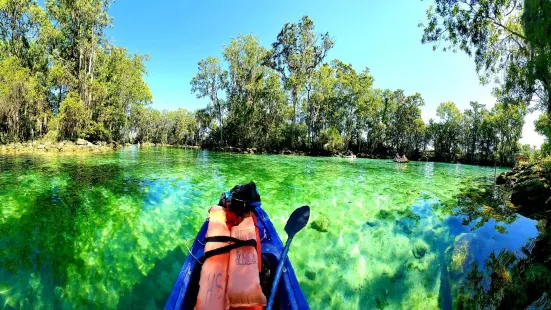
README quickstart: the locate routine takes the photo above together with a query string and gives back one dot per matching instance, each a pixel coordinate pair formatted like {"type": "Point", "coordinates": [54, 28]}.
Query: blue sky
{"type": "Point", "coordinates": [380, 35]}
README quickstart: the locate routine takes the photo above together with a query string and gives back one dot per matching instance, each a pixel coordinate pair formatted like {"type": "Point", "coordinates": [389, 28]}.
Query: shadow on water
{"type": "Point", "coordinates": [503, 260]}
{"type": "Point", "coordinates": [42, 238]}
{"type": "Point", "coordinates": [156, 284]}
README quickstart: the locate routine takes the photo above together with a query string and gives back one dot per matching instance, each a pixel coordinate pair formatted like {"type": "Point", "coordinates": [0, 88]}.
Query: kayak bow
{"type": "Point", "coordinates": [288, 294]}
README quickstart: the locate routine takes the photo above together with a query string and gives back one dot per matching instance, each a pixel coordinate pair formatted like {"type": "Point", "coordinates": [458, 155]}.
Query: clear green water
{"type": "Point", "coordinates": [109, 231]}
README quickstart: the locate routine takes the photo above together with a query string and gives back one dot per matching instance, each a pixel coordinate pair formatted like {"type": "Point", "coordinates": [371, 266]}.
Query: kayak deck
{"type": "Point", "coordinates": [288, 296]}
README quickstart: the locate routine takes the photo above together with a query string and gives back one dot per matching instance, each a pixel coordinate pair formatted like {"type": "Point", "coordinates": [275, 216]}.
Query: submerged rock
{"type": "Point", "coordinates": [321, 224]}
{"type": "Point", "coordinates": [420, 249]}
{"type": "Point", "coordinates": [459, 254]}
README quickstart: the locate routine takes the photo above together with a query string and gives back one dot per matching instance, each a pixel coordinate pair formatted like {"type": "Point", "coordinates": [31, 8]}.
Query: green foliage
{"type": "Point", "coordinates": [73, 120]}
{"type": "Point", "coordinates": [509, 120]}
{"type": "Point", "coordinates": [288, 98]}
{"type": "Point", "coordinates": [321, 224]}
{"type": "Point", "coordinates": [178, 127]}
{"type": "Point", "coordinates": [504, 36]}
{"type": "Point", "coordinates": [405, 127]}
{"type": "Point", "coordinates": [543, 127]}
{"type": "Point", "coordinates": [255, 101]}
{"type": "Point", "coordinates": [61, 77]}
{"type": "Point", "coordinates": [209, 80]}
{"type": "Point", "coordinates": [296, 55]}
{"type": "Point", "coordinates": [22, 109]}
{"type": "Point", "coordinates": [477, 135]}
{"type": "Point", "coordinates": [447, 132]}
{"type": "Point", "coordinates": [330, 140]}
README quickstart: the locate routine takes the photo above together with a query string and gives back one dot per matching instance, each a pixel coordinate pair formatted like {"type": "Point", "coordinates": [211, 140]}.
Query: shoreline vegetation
{"type": "Point", "coordinates": [81, 146]}
{"type": "Point", "coordinates": [61, 83]}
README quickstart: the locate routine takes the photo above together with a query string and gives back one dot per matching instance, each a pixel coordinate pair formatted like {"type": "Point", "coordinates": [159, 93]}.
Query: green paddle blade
{"type": "Point", "coordinates": [297, 221]}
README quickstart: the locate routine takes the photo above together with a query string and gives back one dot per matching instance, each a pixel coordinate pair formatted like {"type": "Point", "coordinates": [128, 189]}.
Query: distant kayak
{"type": "Point", "coordinates": [289, 294]}
{"type": "Point", "coordinates": [400, 161]}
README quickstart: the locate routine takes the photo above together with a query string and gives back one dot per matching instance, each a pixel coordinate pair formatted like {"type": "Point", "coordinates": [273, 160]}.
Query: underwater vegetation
{"type": "Point", "coordinates": [110, 230]}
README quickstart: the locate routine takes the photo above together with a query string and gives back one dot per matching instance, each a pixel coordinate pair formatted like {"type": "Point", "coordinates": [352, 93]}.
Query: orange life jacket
{"type": "Point", "coordinates": [214, 274]}
{"type": "Point", "coordinates": [230, 272]}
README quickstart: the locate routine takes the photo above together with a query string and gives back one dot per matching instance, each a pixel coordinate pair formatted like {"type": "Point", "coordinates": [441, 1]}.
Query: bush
{"type": "Point", "coordinates": [72, 121]}
{"type": "Point", "coordinates": [330, 140]}
{"type": "Point", "coordinates": [95, 131]}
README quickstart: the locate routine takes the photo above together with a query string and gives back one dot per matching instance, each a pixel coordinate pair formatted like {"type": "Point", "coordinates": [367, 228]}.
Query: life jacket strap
{"type": "Point", "coordinates": [222, 239]}
{"type": "Point", "coordinates": [237, 243]}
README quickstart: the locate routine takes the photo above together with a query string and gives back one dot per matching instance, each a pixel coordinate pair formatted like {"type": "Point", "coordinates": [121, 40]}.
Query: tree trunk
{"type": "Point", "coordinates": [295, 101]}
{"type": "Point", "coordinates": [221, 123]}
{"type": "Point", "coordinates": [311, 118]}
{"type": "Point", "coordinates": [90, 68]}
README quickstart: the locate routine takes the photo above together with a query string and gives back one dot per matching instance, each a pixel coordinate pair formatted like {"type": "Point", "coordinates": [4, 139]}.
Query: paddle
{"type": "Point", "coordinates": [297, 221]}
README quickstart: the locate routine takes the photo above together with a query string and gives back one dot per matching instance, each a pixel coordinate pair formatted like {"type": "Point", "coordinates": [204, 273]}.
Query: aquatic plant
{"type": "Point", "coordinates": [321, 224]}
{"type": "Point", "coordinates": [110, 230]}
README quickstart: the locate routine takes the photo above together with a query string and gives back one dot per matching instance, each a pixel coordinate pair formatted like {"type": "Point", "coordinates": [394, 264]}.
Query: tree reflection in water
{"type": "Point", "coordinates": [506, 279]}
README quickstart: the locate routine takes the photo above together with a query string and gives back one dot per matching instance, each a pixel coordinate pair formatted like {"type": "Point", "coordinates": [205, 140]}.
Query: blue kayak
{"type": "Point", "coordinates": [288, 296]}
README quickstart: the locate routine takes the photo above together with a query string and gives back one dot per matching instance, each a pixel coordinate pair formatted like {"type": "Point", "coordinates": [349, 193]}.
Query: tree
{"type": "Point", "coordinates": [322, 99]}
{"type": "Point", "coordinates": [23, 67]}
{"type": "Point", "coordinates": [245, 87]}
{"type": "Point", "coordinates": [49, 53]}
{"type": "Point", "coordinates": [271, 114]}
{"type": "Point", "coordinates": [182, 127]}
{"type": "Point", "coordinates": [204, 118]}
{"type": "Point", "coordinates": [22, 102]}
{"type": "Point", "coordinates": [21, 22]}
{"type": "Point", "coordinates": [296, 54]}
{"type": "Point", "coordinates": [80, 35]}
{"type": "Point", "coordinates": [72, 120]}
{"type": "Point", "coordinates": [61, 79]}
{"type": "Point", "coordinates": [341, 100]}
{"type": "Point", "coordinates": [404, 130]}
{"type": "Point", "coordinates": [446, 133]}
{"type": "Point", "coordinates": [472, 123]}
{"type": "Point", "coordinates": [343, 105]}
{"type": "Point", "coordinates": [509, 36]}
{"type": "Point", "coordinates": [207, 83]}
{"type": "Point", "coordinates": [509, 120]}
{"type": "Point", "coordinates": [119, 85]}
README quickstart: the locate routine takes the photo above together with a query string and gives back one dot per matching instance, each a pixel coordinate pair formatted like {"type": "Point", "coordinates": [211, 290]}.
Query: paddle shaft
{"type": "Point", "coordinates": [279, 271]}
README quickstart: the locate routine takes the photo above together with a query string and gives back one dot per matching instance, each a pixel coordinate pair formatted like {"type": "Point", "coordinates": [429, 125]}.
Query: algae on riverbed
{"type": "Point", "coordinates": [109, 230]}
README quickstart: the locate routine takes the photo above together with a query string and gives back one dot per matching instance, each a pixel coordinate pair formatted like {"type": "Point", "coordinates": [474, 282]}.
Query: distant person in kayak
{"type": "Point", "coordinates": [404, 158]}
{"type": "Point", "coordinates": [397, 156]}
